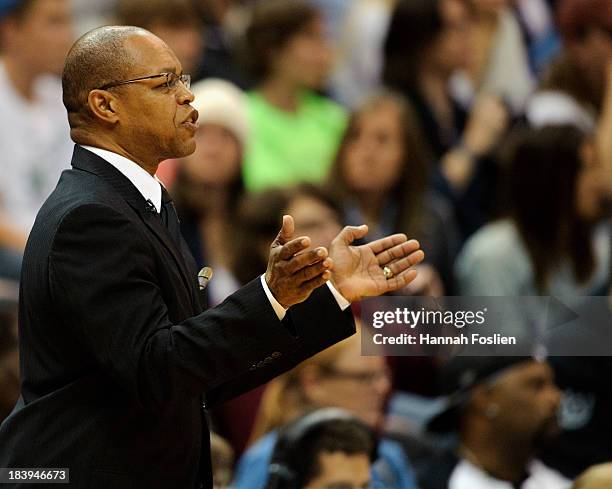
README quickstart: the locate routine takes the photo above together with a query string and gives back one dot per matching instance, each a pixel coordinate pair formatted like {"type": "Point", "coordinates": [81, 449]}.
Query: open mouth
{"type": "Point", "coordinates": [190, 125]}
{"type": "Point", "coordinates": [192, 121]}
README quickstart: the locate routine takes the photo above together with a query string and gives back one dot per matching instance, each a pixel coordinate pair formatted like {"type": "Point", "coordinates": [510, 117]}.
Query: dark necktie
{"type": "Point", "coordinates": [170, 219]}
{"type": "Point", "coordinates": [167, 215]}
{"type": "Point", "coordinates": [164, 214]}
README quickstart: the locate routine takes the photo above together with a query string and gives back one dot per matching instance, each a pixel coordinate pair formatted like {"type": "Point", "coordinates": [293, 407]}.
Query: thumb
{"type": "Point", "coordinates": [286, 232]}
{"type": "Point", "coordinates": [351, 233]}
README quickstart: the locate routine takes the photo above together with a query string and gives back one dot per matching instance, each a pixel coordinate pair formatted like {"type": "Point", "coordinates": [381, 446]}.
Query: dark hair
{"type": "Point", "coordinates": [258, 220]}
{"type": "Point", "coordinates": [183, 193]}
{"type": "Point", "coordinates": [98, 58]}
{"type": "Point", "coordinates": [147, 13]}
{"type": "Point", "coordinates": [295, 460]}
{"type": "Point", "coordinates": [16, 13]}
{"type": "Point", "coordinates": [20, 10]}
{"type": "Point", "coordinates": [576, 17]}
{"type": "Point", "coordinates": [414, 25]}
{"type": "Point", "coordinates": [565, 75]}
{"type": "Point", "coordinates": [544, 166]}
{"type": "Point", "coordinates": [408, 192]}
{"type": "Point", "coordinates": [273, 25]}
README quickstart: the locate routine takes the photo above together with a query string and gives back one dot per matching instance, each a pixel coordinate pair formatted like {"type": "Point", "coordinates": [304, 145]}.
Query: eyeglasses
{"type": "Point", "coordinates": [172, 80]}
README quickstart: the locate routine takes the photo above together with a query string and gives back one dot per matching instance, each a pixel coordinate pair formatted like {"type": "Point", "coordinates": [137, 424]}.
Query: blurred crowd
{"type": "Point", "coordinates": [482, 128]}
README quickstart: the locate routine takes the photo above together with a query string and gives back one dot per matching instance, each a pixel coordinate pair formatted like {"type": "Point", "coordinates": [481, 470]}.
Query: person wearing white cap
{"type": "Point", "coordinates": [222, 103]}
{"type": "Point", "coordinates": [209, 182]}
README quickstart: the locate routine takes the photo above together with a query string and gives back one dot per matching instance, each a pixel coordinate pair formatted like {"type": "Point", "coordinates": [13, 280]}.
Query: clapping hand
{"type": "Point", "coordinates": [293, 271]}
{"type": "Point", "coordinates": [355, 271]}
{"type": "Point", "coordinates": [375, 268]}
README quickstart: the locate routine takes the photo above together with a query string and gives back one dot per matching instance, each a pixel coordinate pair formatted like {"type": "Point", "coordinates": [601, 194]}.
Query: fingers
{"type": "Point", "coordinates": [291, 281]}
{"type": "Point", "coordinates": [351, 233]}
{"type": "Point", "coordinates": [320, 269]}
{"type": "Point", "coordinates": [402, 280]}
{"type": "Point", "coordinates": [403, 273]}
{"type": "Point", "coordinates": [286, 231]}
{"type": "Point", "coordinates": [305, 259]}
{"type": "Point", "coordinates": [293, 247]}
{"type": "Point", "coordinates": [308, 286]}
{"type": "Point", "coordinates": [398, 266]}
{"type": "Point", "coordinates": [397, 252]}
{"type": "Point", "coordinates": [383, 244]}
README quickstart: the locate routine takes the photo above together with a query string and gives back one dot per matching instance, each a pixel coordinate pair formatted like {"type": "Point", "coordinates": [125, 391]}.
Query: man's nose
{"type": "Point", "coordinates": [184, 95]}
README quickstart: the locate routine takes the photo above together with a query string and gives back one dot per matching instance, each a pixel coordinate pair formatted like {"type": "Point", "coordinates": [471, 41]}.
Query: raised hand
{"type": "Point", "coordinates": [487, 122]}
{"type": "Point", "coordinates": [293, 273]}
{"type": "Point", "coordinates": [359, 270]}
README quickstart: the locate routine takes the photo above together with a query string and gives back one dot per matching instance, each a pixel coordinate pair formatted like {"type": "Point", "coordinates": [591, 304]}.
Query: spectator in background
{"type": "Point", "coordinates": [10, 263]}
{"type": "Point", "coordinates": [597, 477]}
{"type": "Point", "coordinates": [334, 12]}
{"type": "Point", "coordinates": [325, 449]}
{"type": "Point", "coordinates": [316, 212]}
{"type": "Point", "coordinates": [584, 414]}
{"type": "Point", "coordinates": [540, 32]}
{"type": "Point", "coordinates": [9, 355]}
{"type": "Point", "coordinates": [317, 215]}
{"type": "Point", "coordinates": [88, 15]}
{"type": "Point", "coordinates": [220, 41]}
{"type": "Point", "coordinates": [381, 175]}
{"type": "Point", "coordinates": [499, 63]}
{"type": "Point", "coordinates": [502, 409]}
{"type": "Point", "coordinates": [549, 244]}
{"type": "Point", "coordinates": [426, 44]}
{"type": "Point", "coordinates": [295, 131]}
{"type": "Point", "coordinates": [337, 377]}
{"type": "Point", "coordinates": [35, 145]}
{"type": "Point", "coordinates": [573, 90]}
{"type": "Point", "coordinates": [174, 21]}
{"type": "Point", "coordinates": [222, 458]}
{"type": "Point", "coordinates": [208, 183]}
{"type": "Point", "coordinates": [358, 67]}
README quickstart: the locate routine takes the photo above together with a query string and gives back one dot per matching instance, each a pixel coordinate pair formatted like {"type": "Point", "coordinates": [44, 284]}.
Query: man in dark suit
{"type": "Point", "coordinates": [117, 357]}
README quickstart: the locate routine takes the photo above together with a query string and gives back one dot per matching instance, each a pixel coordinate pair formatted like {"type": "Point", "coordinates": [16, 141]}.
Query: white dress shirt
{"type": "Point", "coordinates": [468, 476]}
{"type": "Point", "coordinates": [150, 188]}
{"type": "Point", "coordinates": [148, 185]}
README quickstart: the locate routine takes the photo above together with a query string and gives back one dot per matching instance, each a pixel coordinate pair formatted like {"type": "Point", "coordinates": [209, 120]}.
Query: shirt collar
{"type": "Point", "coordinates": [149, 186]}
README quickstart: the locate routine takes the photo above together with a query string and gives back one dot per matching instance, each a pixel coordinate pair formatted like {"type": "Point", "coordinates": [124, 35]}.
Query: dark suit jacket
{"type": "Point", "coordinates": [115, 351]}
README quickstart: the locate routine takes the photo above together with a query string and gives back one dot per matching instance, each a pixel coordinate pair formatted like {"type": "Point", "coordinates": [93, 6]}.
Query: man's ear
{"type": "Point", "coordinates": [482, 397]}
{"type": "Point", "coordinates": [103, 105]}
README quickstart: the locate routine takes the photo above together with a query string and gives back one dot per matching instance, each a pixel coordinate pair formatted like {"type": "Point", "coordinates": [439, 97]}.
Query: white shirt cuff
{"type": "Point", "coordinates": [342, 302]}
{"type": "Point", "coordinates": [278, 309]}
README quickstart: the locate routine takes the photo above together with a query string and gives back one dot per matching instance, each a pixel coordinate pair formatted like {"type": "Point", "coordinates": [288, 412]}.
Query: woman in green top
{"type": "Point", "coordinates": [295, 131]}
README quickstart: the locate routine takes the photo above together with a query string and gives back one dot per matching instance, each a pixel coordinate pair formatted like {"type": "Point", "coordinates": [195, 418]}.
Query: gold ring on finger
{"type": "Point", "coordinates": [387, 272]}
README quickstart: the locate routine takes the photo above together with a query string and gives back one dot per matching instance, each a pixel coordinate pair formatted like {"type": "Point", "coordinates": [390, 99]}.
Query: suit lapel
{"type": "Point", "coordinates": [161, 232]}
{"type": "Point", "coordinates": [92, 163]}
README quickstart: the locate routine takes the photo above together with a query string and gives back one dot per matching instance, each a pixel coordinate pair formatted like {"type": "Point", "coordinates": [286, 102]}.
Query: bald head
{"type": "Point", "coordinates": [99, 57]}
{"type": "Point", "coordinates": [597, 477]}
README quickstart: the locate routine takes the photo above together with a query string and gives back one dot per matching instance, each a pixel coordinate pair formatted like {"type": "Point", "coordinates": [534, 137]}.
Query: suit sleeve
{"type": "Point", "coordinates": [102, 277]}
{"type": "Point", "coordinates": [317, 322]}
